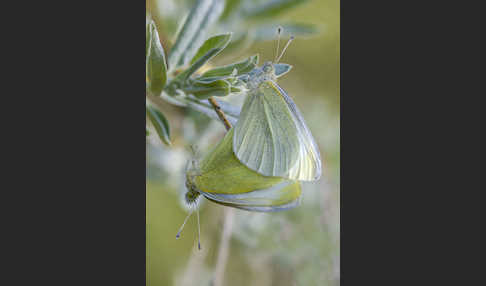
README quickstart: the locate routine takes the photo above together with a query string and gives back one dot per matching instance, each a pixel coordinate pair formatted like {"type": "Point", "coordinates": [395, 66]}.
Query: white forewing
{"type": "Point", "coordinates": [271, 137]}
{"type": "Point", "coordinates": [262, 139]}
{"type": "Point", "coordinates": [308, 166]}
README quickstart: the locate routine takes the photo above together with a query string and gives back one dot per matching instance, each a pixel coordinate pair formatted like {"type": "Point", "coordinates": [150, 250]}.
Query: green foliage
{"type": "Point", "coordinates": [230, 8]}
{"type": "Point", "coordinates": [181, 82]}
{"type": "Point", "coordinates": [211, 47]}
{"type": "Point", "coordinates": [194, 31]}
{"type": "Point", "coordinates": [148, 33]}
{"type": "Point", "coordinates": [156, 67]}
{"type": "Point", "coordinates": [207, 51]}
{"type": "Point", "coordinates": [160, 124]}
{"type": "Point", "coordinates": [204, 90]}
{"type": "Point", "coordinates": [241, 68]}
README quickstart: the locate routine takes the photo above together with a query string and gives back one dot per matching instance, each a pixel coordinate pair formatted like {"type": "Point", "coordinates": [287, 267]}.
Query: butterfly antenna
{"type": "Point", "coordinates": [279, 32]}
{"type": "Point", "coordinates": [178, 235]}
{"type": "Point", "coordinates": [198, 231]}
{"type": "Point", "coordinates": [285, 48]}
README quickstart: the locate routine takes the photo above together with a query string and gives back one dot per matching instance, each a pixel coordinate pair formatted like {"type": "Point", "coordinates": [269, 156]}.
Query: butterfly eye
{"type": "Point", "coordinates": [267, 68]}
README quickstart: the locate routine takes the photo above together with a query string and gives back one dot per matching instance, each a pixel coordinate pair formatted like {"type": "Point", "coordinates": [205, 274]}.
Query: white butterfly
{"type": "Point", "coordinates": [271, 136]}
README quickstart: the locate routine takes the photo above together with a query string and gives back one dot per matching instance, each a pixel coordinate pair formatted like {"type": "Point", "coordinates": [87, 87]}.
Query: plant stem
{"type": "Point", "coordinates": [220, 113]}
{"type": "Point", "coordinates": [224, 247]}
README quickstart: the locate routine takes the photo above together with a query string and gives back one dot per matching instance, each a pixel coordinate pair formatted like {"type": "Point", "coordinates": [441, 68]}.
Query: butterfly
{"type": "Point", "coordinates": [259, 163]}
{"type": "Point", "coordinates": [221, 178]}
{"type": "Point", "coordinates": [270, 136]}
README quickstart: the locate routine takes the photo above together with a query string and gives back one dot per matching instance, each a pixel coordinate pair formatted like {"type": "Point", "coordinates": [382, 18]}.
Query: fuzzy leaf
{"type": "Point", "coordinates": [147, 35]}
{"type": "Point", "coordinates": [217, 42]}
{"type": "Point", "coordinates": [241, 41]}
{"type": "Point", "coordinates": [241, 67]}
{"type": "Point", "coordinates": [194, 31]}
{"type": "Point", "coordinates": [271, 8]}
{"type": "Point", "coordinates": [160, 124]}
{"type": "Point", "coordinates": [207, 80]}
{"type": "Point", "coordinates": [156, 67]}
{"type": "Point", "coordinates": [212, 47]}
{"type": "Point", "coordinates": [204, 90]}
{"type": "Point", "coordinates": [235, 89]}
{"type": "Point", "coordinates": [232, 112]}
{"type": "Point", "coordinates": [230, 8]}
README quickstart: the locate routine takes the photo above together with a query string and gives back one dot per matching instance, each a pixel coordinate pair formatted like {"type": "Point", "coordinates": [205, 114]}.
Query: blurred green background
{"type": "Point", "coordinates": [296, 247]}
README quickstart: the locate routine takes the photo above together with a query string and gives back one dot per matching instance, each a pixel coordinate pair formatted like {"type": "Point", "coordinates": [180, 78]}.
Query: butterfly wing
{"type": "Point", "coordinates": [308, 166]}
{"type": "Point", "coordinates": [266, 138]}
{"type": "Point", "coordinates": [272, 138]}
{"type": "Point", "coordinates": [282, 196]}
{"type": "Point", "coordinates": [221, 172]}
{"type": "Point", "coordinates": [223, 179]}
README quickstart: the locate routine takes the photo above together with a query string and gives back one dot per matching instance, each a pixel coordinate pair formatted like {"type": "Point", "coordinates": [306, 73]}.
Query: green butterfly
{"type": "Point", "coordinates": [221, 178]}
{"type": "Point", "coordinates": [271, 136]}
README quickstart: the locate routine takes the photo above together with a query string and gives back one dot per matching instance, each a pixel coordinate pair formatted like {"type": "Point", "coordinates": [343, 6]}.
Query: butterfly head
{"type": "Point", "coordinates": [261, 74]}
{"type": "Point", "coordinates": [191, 196]}
{"type": "Point", "coordinates": [268, 69]}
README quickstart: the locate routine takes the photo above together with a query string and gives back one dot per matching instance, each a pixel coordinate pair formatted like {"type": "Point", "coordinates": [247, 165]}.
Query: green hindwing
{"type": "Point", "coordinates": [223, 179]}
{"type": "Point", "coordinates": [282, 196]}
